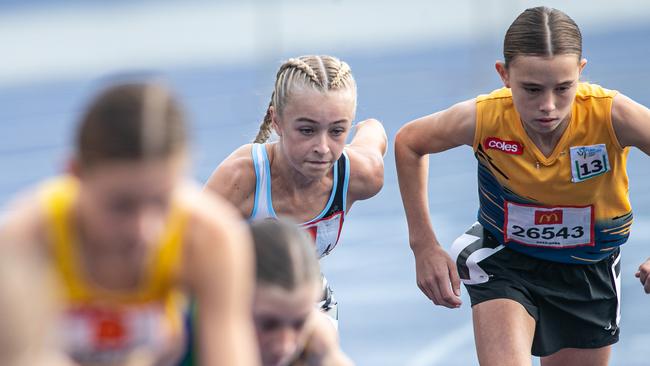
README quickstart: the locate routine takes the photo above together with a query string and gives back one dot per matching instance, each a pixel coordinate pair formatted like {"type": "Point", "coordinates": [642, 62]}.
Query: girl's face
{"type": "Point", "coordinates": [313, 128]}
{"type": "Point", "coordinates": [125, 204]}
{"type": "Point", "coordinates": [543, 89]}
{"type": "Point", "coordinates": [282, 320]}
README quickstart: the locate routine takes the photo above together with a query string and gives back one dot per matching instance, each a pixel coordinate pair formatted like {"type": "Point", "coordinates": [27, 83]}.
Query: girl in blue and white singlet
{"type": "Point", "coordinates": [309, 174]}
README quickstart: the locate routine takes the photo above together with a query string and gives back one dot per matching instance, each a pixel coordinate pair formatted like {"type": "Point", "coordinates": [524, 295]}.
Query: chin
{"type": "Point", "coordinates": [276, 361]}
{"type": "Point", "coordinates": [315, 173]}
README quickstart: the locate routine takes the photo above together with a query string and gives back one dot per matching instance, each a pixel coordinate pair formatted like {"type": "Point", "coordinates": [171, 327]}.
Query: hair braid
{"type": "Point", "coordinates": [321, 73]}
{"type": "Point", "coordinates": [338, 81]}
{"type": "Point", "coordinates": [266, 126]}
{"type": "Point", "coordinates": [301, 65]}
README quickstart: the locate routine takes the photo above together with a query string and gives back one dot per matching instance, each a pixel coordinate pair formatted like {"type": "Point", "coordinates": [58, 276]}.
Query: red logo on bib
{"type": "Point", "coordinates": [548, 217]}
{"type": "Point", "coordinates": [508, 147]}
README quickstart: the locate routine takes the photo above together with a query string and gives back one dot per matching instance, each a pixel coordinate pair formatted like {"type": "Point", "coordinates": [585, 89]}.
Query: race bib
{"type": "Point", "coordinates": [588, 162]}
{"type": "Point", "coordinates": [549, 227]}
{"type": "Point", "coordinates": [108, 335]}
{"type": "Point", "coordinates": [326, 232]}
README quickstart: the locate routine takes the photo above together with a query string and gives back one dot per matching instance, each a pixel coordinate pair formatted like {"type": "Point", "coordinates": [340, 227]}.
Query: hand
{"type": "Point", "coordinates": [643, 274]}
{"type": "Point", "coordinates": [437, 276]}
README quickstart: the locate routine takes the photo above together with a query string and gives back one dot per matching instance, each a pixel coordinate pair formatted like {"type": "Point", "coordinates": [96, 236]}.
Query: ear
{"type": "Point", "coordinates": [274, 121]}
{"type": "Point", "coordinates": [500, 66]}
{"type": "Point", "coordinates": [73, 167]}
{"type": "Point", "coordinates": [582, 65]}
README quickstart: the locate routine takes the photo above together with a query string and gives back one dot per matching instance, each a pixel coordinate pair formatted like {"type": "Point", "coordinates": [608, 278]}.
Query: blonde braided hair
{"type": "Point", "coordinates": [323, 73]}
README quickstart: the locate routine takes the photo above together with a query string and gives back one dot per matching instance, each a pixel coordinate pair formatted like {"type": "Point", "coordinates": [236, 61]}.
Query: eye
{"type": "Point", "coordinates": [268, 325]}
{"type": "Point", "coordinates": [562, 89]}
{"type": "Point", "coordinates": [122, 206]}
{"type": "Point", "coordinates": [307, 131]}
{"type": "Point", "coordinates": [159, 202]}
{"type": "Point", "coordinates": [532, 90]}
{"type": "Point", "coordinates": [299, 324]}
{"type": "Point", "coordinates": [337, 131]}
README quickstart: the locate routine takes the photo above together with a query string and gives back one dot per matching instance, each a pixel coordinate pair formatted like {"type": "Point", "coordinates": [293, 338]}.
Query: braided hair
{"type": "Point", "coordinates": [323, 73]}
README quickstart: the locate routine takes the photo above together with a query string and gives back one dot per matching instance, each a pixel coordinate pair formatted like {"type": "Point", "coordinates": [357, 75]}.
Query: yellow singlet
{"type": "Point", "coordinates": [569, 207]}
{"type": "Point", "coordinates": [104, 327]}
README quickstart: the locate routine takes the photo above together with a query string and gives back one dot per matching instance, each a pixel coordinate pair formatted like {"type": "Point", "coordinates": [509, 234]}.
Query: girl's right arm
{"type": "Point", "coordinates": [430, 134]}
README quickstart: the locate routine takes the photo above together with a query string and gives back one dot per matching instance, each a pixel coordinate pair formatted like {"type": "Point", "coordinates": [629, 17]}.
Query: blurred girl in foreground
{"type": "Point", "coordinates": [129, 237]}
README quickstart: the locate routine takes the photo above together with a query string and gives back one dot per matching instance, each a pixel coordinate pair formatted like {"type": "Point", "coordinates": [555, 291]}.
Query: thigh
{"type": "Point", "coordinates": [503, 331]}
{"type": "Point", "coordinates": [578, 357]}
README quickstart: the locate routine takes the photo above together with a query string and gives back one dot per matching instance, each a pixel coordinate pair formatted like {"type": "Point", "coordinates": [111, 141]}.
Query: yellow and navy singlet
{"type": "Point", "coordinates": [326, 227]}
{"type": "Point", "coordinates": [103, 327]}
{"type": "Point", "coordinates": [571, 206]}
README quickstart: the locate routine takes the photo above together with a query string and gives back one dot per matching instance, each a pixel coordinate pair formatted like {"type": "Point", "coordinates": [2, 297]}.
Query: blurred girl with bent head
{"type": "Point", "coordinates": [129, 236]}
{"type": "Point", "coordinates": [290, 330]}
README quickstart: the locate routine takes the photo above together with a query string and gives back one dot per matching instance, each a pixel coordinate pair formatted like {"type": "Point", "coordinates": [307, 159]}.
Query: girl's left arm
{"type": "Point", "coordinates": [631, 122]}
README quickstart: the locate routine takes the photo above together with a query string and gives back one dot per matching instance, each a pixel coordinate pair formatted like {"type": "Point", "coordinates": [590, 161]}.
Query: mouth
{"type": "Point", "coordinates": [318, 163]}
{"type": "Point", "coordinates": [546, 120]}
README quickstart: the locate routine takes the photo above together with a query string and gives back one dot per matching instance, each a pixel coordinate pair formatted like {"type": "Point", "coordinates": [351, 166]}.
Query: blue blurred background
{"type": "Point", "coordinates": [410, 58]}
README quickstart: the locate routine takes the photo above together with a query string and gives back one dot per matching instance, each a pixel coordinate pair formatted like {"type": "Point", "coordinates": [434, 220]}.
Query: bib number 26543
{"type": "Point", "coordinates": [552, 227]}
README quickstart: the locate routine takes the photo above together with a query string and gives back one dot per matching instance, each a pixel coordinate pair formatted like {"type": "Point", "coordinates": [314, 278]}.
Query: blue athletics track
{"type": "Point", "coordinates": [410, 58]}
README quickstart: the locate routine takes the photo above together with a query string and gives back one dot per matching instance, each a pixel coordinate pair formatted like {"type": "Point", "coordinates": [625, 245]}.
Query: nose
{"type": "Point", "coordinates": [320, 146]}
{"type": "Point", "coordinates": [287, 339]}
{"type": "Point", "coordinates": [547, 102]}
{"type": "Point", "coordinates": [142, 228]}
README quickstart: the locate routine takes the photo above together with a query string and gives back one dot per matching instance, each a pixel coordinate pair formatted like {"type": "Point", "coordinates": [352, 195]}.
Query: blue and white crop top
{"type": "Point", "coordinates": [326, 227]}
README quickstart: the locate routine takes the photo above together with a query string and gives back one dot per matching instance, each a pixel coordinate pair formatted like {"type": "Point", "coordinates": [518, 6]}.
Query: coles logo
{"type": "Point", "coordinates": [508, 147]}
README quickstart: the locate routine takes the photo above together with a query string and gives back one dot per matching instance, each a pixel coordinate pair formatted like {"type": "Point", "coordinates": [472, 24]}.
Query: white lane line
{"type": "Point", "coordinates": [438, 349]}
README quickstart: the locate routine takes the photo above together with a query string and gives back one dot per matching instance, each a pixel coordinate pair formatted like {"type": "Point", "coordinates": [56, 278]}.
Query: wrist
{"type": "Point", "coordinates": [424, 245]}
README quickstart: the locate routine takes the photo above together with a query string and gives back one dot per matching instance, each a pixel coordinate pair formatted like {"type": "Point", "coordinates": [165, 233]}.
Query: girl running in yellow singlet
{"type": "Point", "coordinates": [541, 265]}
{"type": "Point", "coordinates": [129, 236]}
{"type": "Point", "coordinates": [309, 174]}
{"type": "Point", "coordinates": [290, 331]}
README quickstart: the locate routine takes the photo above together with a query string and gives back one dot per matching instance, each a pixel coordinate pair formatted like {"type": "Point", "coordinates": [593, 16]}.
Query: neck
{"type": "Point", "coordinates": [104, 263]}
{"type": "Point", "coordinates": [290, 177]}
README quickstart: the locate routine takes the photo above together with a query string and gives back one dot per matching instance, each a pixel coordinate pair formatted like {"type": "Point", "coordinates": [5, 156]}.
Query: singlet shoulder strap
{"type": "Point", "coordinates": [344, 166]}
{"type": "Point", "coordinates": [167, 260]}
{"type": "Point", "coordinates": [262, 206]}
{"type": "Point", "coordinates": [343, 182]}
{"type": "Point", "coordinates": [338, 200]}
{"type": "Point", "coordinates": [58, 196]}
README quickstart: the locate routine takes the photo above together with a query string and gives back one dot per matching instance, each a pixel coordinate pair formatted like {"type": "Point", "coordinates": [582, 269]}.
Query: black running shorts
{"type": "Point", "coordinates": [574, 305]}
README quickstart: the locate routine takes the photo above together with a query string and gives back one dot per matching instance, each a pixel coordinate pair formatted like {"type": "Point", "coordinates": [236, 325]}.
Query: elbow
{"type": "Point", "coordinates": [377, 177]}
{"type": "Point", "coordinates": [402, 139]}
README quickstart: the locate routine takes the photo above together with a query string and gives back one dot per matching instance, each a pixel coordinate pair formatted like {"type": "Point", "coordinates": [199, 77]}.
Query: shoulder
{"type": "Point", "coordinates": [215, 231]}
{"type": "Point", "coordinates": [207, 211]}
{"type": "Point", "coordinates": [23, 222]}
{"type": "Point", "coordinates": [235, 178]}
{"type": "Point", "coordinates": [366, 172]}
{"type": "Point", "coordinates": [631, 123]}
{"type": "Point", "coordinates": [442, 130]}
{"type": "Point", "coordinates": [501, 94]}
{"type": "Point", "coordinates": [588, 91]}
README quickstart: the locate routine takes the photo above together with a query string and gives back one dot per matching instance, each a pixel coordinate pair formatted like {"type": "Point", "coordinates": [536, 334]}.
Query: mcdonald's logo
{"type": "Point", "coordinates": [548, 217]}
